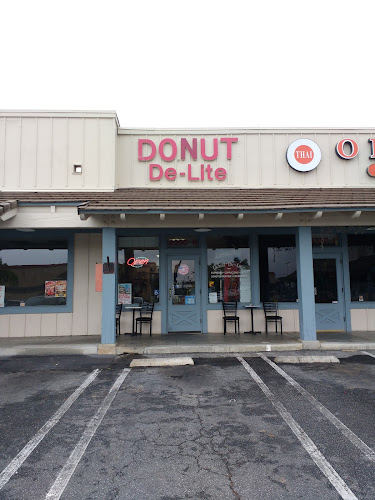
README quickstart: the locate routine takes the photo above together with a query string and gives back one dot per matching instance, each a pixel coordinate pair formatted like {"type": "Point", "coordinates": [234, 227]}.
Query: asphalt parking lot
{"type": "Point", "coordinates": [89, 427]}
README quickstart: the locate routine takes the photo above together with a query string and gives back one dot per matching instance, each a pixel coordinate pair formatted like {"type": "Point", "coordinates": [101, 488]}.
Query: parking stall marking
{"type": "Point", "coordinates": [67, 471]}
{"type": "Point", "coordinates": [353, 438]}
{"type": "Point", "coordinates": [16, 463]}
{"type": "Point", "coordinates": [368, 354]}
{"type": "Point", "coordinates": [334, 478]}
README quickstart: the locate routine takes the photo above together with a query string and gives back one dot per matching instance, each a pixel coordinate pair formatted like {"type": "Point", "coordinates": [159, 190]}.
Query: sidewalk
{"type": "Point", "coordinates": [184, 343]}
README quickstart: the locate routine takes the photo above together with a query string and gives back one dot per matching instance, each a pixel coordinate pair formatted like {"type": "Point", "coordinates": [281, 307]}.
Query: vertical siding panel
{"type": "Point", "coordinates": [4, 325]}
{"type": "Point", "coordinates": [268, 173]}
{"type": "Point", "coordinates": [59, 152]}
{"type": "Point", "coordinates": [17, 324]}
{"type": "Point", "coordinates": [75, 151]}
{"type": "Point", "coordinates": [107, 154]}
{"type": "Point", "coordinates": [28, 153]}
{"type": "Point", "coordinates": [81, 281]}
{"type": "Point", "coordinates": [33, 325]}
{"type": "Point", "coordinates": [12, 153]}
{"type": "Point", "coordinates": [94, 316]}
{"type": "Point", "coordinates": [63, 324]}
{"type": "Point", "coordinates": [90, 154]}
{"type": "Point", "coordinates": [281, 165]}
{"type": "Point", "coordinates": [323, 175]}
{"type": "Point", "coordinates": [44, 153]}
{"type": "Point", "coordinates": [252, 160]}
{"type": "Point", "coordinates": [48, 327]}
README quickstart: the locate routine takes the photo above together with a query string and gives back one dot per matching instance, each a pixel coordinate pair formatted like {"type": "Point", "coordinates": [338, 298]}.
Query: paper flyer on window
{"type": "Point", "coordinates": [2, 295]}
{"type": "Point", "coordinates": [60, 288]}
{"type": "Point", "coordinates": [49, 288]}
{"type": "Point", "coordinates": [124, 293]}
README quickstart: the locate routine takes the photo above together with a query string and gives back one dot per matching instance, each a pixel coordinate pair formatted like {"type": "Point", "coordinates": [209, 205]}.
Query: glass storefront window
{"type": "Point", "coordinates": [362, 267]}
{"type": "Point", "coordinates": [277, 268]}
{"type": "Point", "coordinates": [33, 273]}
{"type": "Point", "coordinates": [138, 269]}
{"type": "Point", "coordinates": [228, 259]}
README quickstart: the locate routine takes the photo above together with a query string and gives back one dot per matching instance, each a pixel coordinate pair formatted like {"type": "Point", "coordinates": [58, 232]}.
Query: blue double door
{"type": "Point", "coordinates": [184, 293]}
{"type": "Point", "coordinates": [329, 292]}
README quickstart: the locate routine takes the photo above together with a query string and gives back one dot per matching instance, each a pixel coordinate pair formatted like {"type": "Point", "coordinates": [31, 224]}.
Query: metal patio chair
{"type": "Point", "coordinates": [271, 314]}
{"type": "Point", "coordinates": [145, 316]}
{"type": "Point", "coordinates": [230, 314]}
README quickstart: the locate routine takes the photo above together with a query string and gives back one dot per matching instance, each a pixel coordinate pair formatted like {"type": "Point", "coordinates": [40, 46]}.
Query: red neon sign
{"type": "Point", "coordinates": [137, 261]}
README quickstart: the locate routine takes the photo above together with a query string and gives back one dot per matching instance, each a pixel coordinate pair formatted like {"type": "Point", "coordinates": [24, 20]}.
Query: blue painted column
{"type": "Point", "coordinates": [109, 249]}
{"type": "Point", "coordinates": [305, 283]}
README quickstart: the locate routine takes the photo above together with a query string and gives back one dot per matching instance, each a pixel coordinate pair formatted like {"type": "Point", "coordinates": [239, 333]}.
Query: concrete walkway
{"type": "Point", "coordinates": [184, 343]}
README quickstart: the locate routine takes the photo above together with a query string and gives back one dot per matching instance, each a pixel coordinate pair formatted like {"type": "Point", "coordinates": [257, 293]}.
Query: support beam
{"type": "Point", "coordinates": [279, 216]}
{"type": "Point", "coordinates": [318, 215]}
{"type": "Point", "coordinates": [109, 287]}
{"type": "Point", "coordinates": [200, 216]}
{"type": "Point", "coordinates": [239, 216]}
{"type": "Point", "coordinates": [122, 216]}
{"type": "Point", "coordinates": [305, 284]}
{"type": "Point", "coordinates": [53, 209]}
{"type": "Point", "coordinates": [84, 216]}
{"type": "Point", "coordinates": [162, 216]}
{"type": "Point", "coordinates": [356, 214]}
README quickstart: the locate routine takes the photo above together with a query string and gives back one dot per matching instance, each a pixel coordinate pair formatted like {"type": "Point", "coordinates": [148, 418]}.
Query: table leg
{"type": "Point", "coordinates": [252, 331]}
{"type": "Point", "coordinates": [133, 321]}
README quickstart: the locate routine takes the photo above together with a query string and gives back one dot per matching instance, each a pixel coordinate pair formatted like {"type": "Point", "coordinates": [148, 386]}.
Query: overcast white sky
{"type": "Point", "coordinates": [193, 63]}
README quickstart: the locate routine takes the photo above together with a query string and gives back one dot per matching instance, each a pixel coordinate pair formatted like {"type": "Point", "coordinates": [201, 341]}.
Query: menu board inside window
{"type": "Point", "coordinates": [228, 275]}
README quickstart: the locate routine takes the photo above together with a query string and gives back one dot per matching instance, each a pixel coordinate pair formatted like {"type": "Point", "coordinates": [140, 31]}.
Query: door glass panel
{"type": "Point", "coordinates": [183, 285]}
{"type": "Point", "coordinates": [325, 281]}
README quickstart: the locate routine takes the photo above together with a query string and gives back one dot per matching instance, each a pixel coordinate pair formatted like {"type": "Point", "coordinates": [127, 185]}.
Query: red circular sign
{"type": "Point", "coordinates": [304, 154]}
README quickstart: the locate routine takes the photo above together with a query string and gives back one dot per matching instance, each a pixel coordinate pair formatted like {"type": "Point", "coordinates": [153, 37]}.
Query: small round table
{"type": "Point", "coordinates": [252, 307]}
{"type": "Point", "coordinates": [133, 308]}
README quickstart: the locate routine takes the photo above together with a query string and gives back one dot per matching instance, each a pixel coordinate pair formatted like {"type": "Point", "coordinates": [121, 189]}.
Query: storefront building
{"type": "Point", "coordinates": [92, 214]}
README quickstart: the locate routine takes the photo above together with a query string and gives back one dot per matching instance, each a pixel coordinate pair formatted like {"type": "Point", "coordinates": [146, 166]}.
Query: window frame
{"type": "Point", "coordinates": [68, 307]}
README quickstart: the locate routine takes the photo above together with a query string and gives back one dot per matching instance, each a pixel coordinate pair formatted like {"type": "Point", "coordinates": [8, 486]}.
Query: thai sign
{"type": "Point", "coordinates": [305, 155]}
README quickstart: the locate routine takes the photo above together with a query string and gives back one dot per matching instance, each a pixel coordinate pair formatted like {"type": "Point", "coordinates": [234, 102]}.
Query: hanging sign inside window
{"type": "Point", "coordinates": [137, 261]}
{"type": "Point", "coordinates": [2, 295]}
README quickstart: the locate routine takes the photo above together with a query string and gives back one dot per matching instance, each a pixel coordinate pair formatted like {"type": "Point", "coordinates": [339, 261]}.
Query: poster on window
{"type": "Point", "coordinates": [2, 295]}
{"type": "Point", "coordinates": [60, 288]}
{"type": "Point", "coordinates": [49, 288]}
{"type": "Point", "coordinates": [124, 293]}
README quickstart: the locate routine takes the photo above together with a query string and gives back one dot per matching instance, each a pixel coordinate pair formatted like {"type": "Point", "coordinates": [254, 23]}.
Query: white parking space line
{"type": "Point", "coordinates": [16, 463]}
{"type": "Point", "coordinates": [337, 482]}
{"type": "Point", "coordinates": [368, 354]}
{"type": "Point", "coordinates": [67, 471]}
{"type": "Point", "coordinates": [353, 438]}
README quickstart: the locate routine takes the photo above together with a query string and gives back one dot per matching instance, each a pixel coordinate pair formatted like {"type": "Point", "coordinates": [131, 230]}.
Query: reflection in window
{"type": "Point", "coordinates": [33, 273]}
{"type": "Point", "coordinates": [277, 268]}
{"type": "Point", "coordinates": [362, 267]}
{"type": "Point", "coordinates": [228, 259]}
{"type": "Point", "coordinates": [138, 266]}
